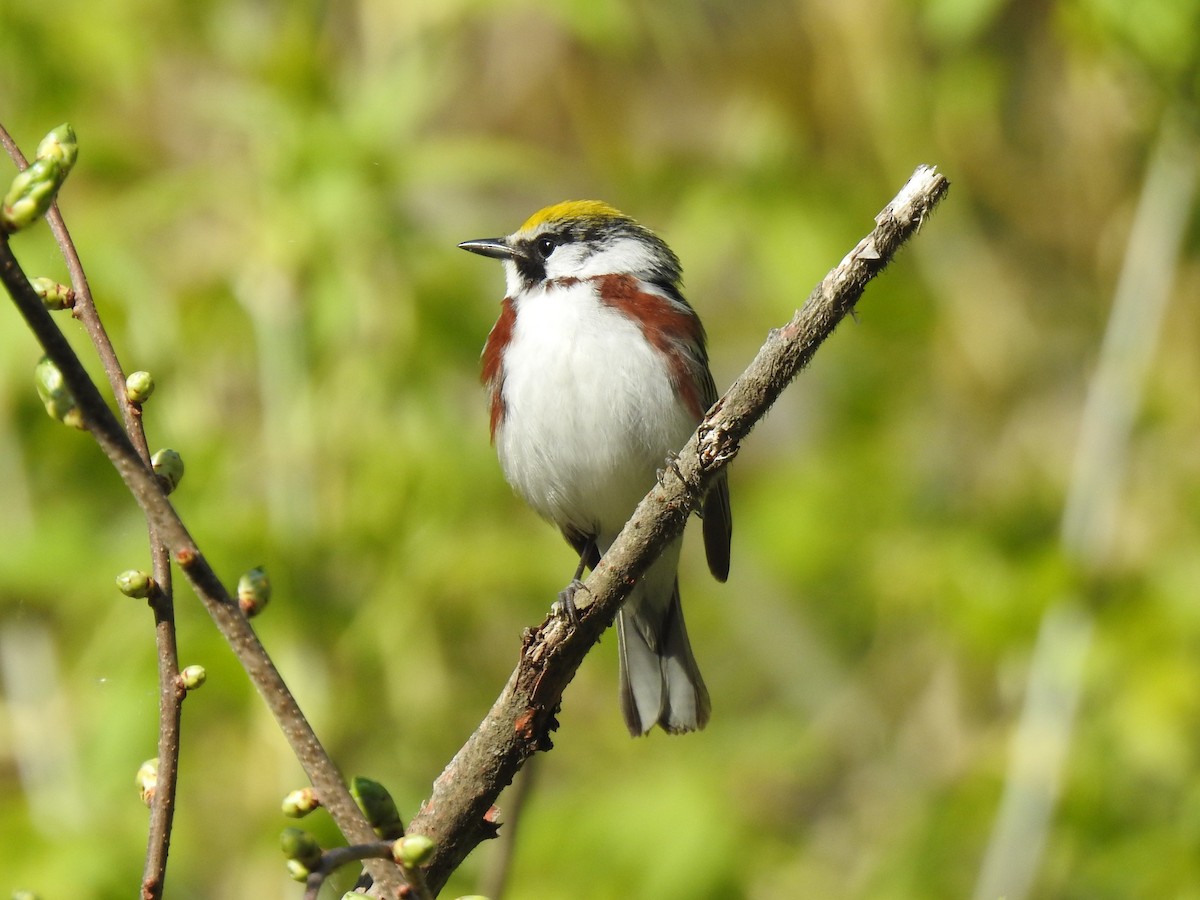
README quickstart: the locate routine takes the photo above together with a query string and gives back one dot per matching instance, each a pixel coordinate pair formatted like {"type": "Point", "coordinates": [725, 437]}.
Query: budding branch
{"type": "Point", "coordinates": [169, 529]}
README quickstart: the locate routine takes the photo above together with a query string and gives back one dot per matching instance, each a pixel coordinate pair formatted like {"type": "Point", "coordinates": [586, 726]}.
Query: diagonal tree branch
{"type": "Point", "coordinates": [166, 524]}
{"type": "Point", "coordinates": [459, 813]}
{"type": "Point", "coordinates": [162, 601]}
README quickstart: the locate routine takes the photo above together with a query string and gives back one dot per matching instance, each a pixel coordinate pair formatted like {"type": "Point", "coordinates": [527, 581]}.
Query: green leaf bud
{"type": "Point", "coordinates": [147, 780]}
{"type": "Point", "coordinates": [191, 677]}
{"type": "Point", "coordinates": [413, 850]}
{"type": "Point", "coordinates": [53, 294]}
{"type": "Point", "coordinates": [61, 147]}
{"type": "Point", "coordinates": [168, 466]}
{"type": "Point", "coordinates": [300, 803]}
{"type": "Point", "coordinates": [135, 583]}
{"type": "Point", "coordinates": [30, 194]}
{"type": "Point", "coordinates": [298, 844]}
{"type": "Point", "coordinates": [377, 805]}
{"type": "Point", "coordinates": [297, 871]}
{"type": "Point", "coordinates": [56, 396]}
{"type": "Point", "coordinates": [139, 386]}
{"type": "Point", "coordinates": [254, 591]}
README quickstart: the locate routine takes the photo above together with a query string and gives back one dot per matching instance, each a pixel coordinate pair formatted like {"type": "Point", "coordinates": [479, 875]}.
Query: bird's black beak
{"type": "Point", "coordinates": [496, 248]}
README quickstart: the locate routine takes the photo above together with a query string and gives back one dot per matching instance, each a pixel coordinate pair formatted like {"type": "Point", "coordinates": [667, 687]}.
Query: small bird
{"type": "Point", "coordinates": [596, 372]}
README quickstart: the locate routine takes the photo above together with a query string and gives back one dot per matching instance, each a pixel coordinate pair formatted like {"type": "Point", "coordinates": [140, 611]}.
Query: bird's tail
{"type": "Point", "coordinates": [660, 682]}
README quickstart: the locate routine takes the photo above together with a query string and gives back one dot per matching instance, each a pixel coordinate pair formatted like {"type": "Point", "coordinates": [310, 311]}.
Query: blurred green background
{"type": "Point", "coordinates": [267, 203]}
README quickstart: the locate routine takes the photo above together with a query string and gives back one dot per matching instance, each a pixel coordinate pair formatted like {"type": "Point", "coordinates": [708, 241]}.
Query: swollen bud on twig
{"type": "Point", "coordinates": [30, 194]}
{"type": "Point", "coordinates": [378, 806]}
{"type": "Point", "coordinates": [192, 677]}
{"type": "Point", "coordinates": [53, 294]}
{"type": "Point", "coordinates": [297, 871]}
{"type": "Point", "coordinates": [61, 147]}
{"type": "Point", "coordinates": [413, 850]}
{"type": "Point", "coordinates": [135, 583]}
{"type": "Point", "coordinates": [139, 386]}
{"type": "Point", "coordinates": [147, 780]}
{"type": "Point", "coordinates": [168, 466]}
{"type": "Point", "coordinates": [56, 396]}
{"type": "Point", "coordinates": [298, 844]}
{"type": "Point", "coordinates": [254, 591]}
{"type": "Point", "coordinates": [33, 190]}
{"type": "Point", "coordinates": [299, 804]}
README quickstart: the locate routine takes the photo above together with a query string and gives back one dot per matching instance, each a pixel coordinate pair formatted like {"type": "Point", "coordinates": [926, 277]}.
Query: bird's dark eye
{"type": "Point", "coordinates": [545, 246]}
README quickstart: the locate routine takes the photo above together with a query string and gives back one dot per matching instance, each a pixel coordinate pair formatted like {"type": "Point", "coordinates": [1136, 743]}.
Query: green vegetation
{"type": "Point", "coordinates": [267, 199]}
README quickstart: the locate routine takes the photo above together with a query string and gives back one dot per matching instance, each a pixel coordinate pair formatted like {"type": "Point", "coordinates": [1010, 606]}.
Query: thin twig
{"type": "Point", "coordinates": [459, 814]}
{"type": "Point", "coordinates": [85, 308]}
{"type": "Point", "coordinates": [333, 859]}
{"type": "Point", "coordinates": [224, 611]}
{"type": "Point", "coordinates": [171, 693]}
{"type": "Point", "coordinates": [170, 714]}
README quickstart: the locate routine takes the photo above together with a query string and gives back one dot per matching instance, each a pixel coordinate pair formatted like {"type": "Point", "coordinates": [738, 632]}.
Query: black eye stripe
{"type": "Point", "coordinates": [532, 269]}
{"type": "Point", "coordinates": [596, 235]}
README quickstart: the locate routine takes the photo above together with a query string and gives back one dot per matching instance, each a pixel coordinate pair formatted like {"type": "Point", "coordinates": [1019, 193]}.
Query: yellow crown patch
{"type": "Point", "coordinates": [572, 209]}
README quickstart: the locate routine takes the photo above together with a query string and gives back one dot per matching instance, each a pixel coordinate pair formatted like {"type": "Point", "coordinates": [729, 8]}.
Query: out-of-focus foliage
{"type": "Point", "coordinates": [267, 199]}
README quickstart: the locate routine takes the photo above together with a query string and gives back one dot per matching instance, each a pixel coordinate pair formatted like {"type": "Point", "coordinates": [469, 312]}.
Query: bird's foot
{"type": "Point", "coordinates": [672, 463]}
{"type": "Point", "coordinates": [564, 606]}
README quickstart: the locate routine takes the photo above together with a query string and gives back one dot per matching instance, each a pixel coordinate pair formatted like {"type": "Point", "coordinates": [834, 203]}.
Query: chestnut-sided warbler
{"type": "Point", "coordinates": [597, 373]}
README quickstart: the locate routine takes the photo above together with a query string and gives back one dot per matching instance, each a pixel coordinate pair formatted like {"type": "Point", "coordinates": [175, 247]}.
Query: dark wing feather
{"type": "Point", "coordinates": [718, 528]}
{"type": "Point", "coordinates": [718, 521]}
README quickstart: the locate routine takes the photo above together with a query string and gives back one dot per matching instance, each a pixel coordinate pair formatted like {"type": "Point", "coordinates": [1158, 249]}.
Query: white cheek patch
{"type": "Point", "coordinates": [567, 261]}
{"type": "Point", "coordinates": [513, 283]}
{"type": "Point", "coordinates": [621, 256]}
